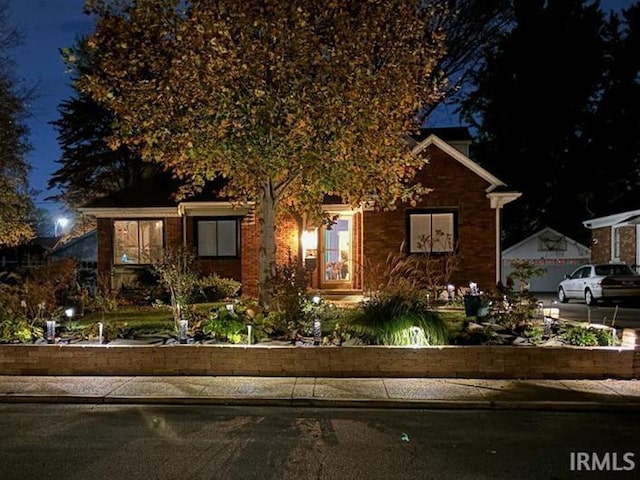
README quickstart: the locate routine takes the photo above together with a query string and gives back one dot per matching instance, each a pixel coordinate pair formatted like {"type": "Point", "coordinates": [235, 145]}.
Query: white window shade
{"type": "Point", "coordinates": [419, 232]}
{"type": "Point", "coordinates": [442, 232]}
{"type": "Point", "coordinates": [431, 232]}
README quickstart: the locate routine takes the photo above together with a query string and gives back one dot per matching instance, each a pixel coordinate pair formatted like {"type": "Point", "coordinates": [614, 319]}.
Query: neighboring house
{"type": "Point", "coordinates": [29, 255]}
{"type": "Point", "coordinates": [83, 249]}
{"type": "Point", "coordinates": [615, 238]}
{"type": "Point", "coordinates": [548, 249]}
{"type": "Point", "coordinates": [137, 224]}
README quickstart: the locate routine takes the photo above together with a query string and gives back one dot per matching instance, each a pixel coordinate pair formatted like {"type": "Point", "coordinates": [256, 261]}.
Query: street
{"type": "Point", "coordinates": [205, 442]}
{"type": "Point", "coordinates": [626, 315]}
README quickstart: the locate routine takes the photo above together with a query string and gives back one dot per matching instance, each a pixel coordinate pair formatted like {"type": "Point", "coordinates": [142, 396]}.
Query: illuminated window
{"type": "Point", "coordinates": [217, 237]}
{"type": "Point", "coordinates": [137, 242]}
{"type": "Point", "coordinates": [430, 231]}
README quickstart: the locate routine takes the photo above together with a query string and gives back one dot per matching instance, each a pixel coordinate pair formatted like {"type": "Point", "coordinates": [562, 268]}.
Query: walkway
{"type": "Point", "coordinates": [434, 393]}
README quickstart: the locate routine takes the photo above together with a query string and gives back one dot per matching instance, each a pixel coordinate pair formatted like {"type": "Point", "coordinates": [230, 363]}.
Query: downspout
{"type": "Point", "coordinates": [499, 200]}
{"type": "Point", "coordinates": [184, 230]}
{"type": "Point", "coordinates": [498, 246]}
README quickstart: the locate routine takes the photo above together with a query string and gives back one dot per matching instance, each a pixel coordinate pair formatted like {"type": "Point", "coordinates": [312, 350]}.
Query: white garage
{"type": "Point", "coordinates": [550, 249]}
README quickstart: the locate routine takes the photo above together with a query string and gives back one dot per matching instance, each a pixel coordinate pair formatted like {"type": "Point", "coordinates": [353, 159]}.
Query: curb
{"type": "Point", "coordinates": [324, 403]}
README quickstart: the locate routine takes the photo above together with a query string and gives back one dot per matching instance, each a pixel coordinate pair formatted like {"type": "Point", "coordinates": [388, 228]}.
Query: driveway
{"type": "Point", "coordinates": [625, 315]}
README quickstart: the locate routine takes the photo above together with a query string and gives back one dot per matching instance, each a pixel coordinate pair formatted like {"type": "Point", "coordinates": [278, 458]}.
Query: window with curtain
{"type": "Point", "coordinates": [430, 231]}
{"type": "Point", "coordinates": [137, 242]}
{"type": "Point", "coordinates": [217, 237]}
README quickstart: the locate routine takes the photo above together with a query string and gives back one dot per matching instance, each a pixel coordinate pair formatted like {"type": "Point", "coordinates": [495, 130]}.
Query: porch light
{"type": "Point", "coordinates": [310, 242]}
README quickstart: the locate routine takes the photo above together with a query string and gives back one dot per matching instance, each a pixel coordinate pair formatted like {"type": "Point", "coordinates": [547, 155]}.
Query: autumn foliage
{"type": "Point", "coordinates": [289, 101]}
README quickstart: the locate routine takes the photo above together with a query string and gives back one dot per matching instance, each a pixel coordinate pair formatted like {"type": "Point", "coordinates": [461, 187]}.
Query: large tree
{"type": "Point", "coordinates": [16, 206]}
{"type": "Point", "coordinates": [89, 168]}
{"type": "Point", "coordinates": [530, 105]}
{"type": "Point", "coordinates": [471, 28]}
{"type": "Point", "coordinates": [610, 150]}
{"type": "Point", "coordinates": [287, 100]}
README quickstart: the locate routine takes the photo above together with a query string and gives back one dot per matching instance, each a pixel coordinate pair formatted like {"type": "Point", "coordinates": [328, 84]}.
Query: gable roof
{"type": "Point", "coordinates": [546, 230]}
{"type": "Point", "coordinates": [433, 139]}
{"type": "Point", "coordinates": [156, 195]}
{"type": "Point", "coordinates": [630, 217]}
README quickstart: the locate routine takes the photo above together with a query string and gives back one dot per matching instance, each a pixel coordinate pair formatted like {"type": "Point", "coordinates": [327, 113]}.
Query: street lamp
{"type": "Point", "coordinates": [61, 222]}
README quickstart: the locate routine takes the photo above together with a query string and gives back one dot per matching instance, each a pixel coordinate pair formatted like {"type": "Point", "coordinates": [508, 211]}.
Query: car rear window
{"type": "Point", "coordinates": [613, 270]}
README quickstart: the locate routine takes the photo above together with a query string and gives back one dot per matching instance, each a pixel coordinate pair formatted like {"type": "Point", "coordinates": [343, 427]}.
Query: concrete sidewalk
{"type": "Point", "coordinates": [434, 393]}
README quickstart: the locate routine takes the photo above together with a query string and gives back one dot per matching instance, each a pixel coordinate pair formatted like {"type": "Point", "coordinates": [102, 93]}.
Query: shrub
{"type": "Point", "coordinates": [105, 299]}
{"type": "Point", "coordinates": [588, 336]}
{"type": "Point", "coordinates": [177, 271]}
{"type": "Point", "coordinates": [16, 328]}
{"type": "Point", "coordinates": [223, 324]}
{"type": "Point", "coordinates": [534, 332]}
{"type": "Point", "coordinates": [396, 320]}
{"type": "Point", "coordinates": [288, 289]}
{"type": "Point", "coordinates": [215, 287]}
{"type": "Point", "coordinates": [478, 336]}
{"type": "Point", "coordinates": [523, 271]}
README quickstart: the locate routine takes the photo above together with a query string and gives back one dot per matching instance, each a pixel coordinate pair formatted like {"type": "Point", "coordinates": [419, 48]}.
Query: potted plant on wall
{"type": "Point", "coordinates": [472, 300]}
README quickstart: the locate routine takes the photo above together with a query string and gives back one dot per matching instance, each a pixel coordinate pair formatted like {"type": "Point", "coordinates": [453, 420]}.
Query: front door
{"type": "Point", "coordinates": [336, 254]}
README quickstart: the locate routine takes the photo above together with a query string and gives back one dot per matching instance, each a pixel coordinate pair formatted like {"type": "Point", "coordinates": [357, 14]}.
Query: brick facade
{"type": "Point", "coordinates": [628, 244]}
{"type": "Point", "coordinates": [454, 187]}
{"type": "Point", "coordinates": [376, 233]}
{"type": "Point", "coordinates": [287, 241]}
{"type": "Point", "coordinates": [105, 246]}
{"type": "Point", "coordinates": [601, 245]}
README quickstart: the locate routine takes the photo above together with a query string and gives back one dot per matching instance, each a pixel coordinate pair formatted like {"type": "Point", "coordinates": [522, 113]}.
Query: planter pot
{"type": "Point", "coordinates": [471, 305]}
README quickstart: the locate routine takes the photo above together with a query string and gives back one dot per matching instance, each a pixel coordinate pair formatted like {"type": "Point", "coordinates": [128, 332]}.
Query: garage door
{"type": "Point", "coordinates": [548, 282]}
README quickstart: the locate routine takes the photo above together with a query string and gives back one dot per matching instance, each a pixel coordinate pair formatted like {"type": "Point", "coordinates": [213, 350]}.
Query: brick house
{"type": "Point", "coordinates": [135, 225]}
{"type": "Point", "coordinates": [615, 238]}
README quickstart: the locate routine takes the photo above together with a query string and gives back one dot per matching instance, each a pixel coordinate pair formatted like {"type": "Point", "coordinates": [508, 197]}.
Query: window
{"type": "Point", "coordinates": [137, 242]}
{"type": "Point", "coordinates": [431, 231]}
{"type": "Point", "coordinates": [217, 238]}
{"type": "Point", "coordinates": [615, 243]}
{"type": "Point", "coordinates": [552, 243]}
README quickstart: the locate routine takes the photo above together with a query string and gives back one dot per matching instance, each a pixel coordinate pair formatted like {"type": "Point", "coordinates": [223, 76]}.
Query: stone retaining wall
{"type": "Point", "coordinates": [448, 361]}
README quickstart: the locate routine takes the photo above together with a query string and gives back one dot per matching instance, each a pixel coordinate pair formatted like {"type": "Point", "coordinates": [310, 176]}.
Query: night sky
{"type": "Point", "coordinates": [48, 26]}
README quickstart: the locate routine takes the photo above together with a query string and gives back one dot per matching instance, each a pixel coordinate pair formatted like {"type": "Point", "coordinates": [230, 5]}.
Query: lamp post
{"type": "Point", "coordinates": [61, 222]}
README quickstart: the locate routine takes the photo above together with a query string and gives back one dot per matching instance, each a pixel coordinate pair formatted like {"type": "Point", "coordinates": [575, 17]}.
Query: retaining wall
{"type": "Point", "coordinates": [447, 361]}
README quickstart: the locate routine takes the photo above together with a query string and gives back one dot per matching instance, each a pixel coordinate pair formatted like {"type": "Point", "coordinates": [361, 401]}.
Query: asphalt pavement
{"type": "Point", "coordinates": [427, 393]}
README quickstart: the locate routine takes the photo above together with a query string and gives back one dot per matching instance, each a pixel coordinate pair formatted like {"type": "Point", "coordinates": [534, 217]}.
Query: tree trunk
{"type": "Point", "coordinates": [267, 251]}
